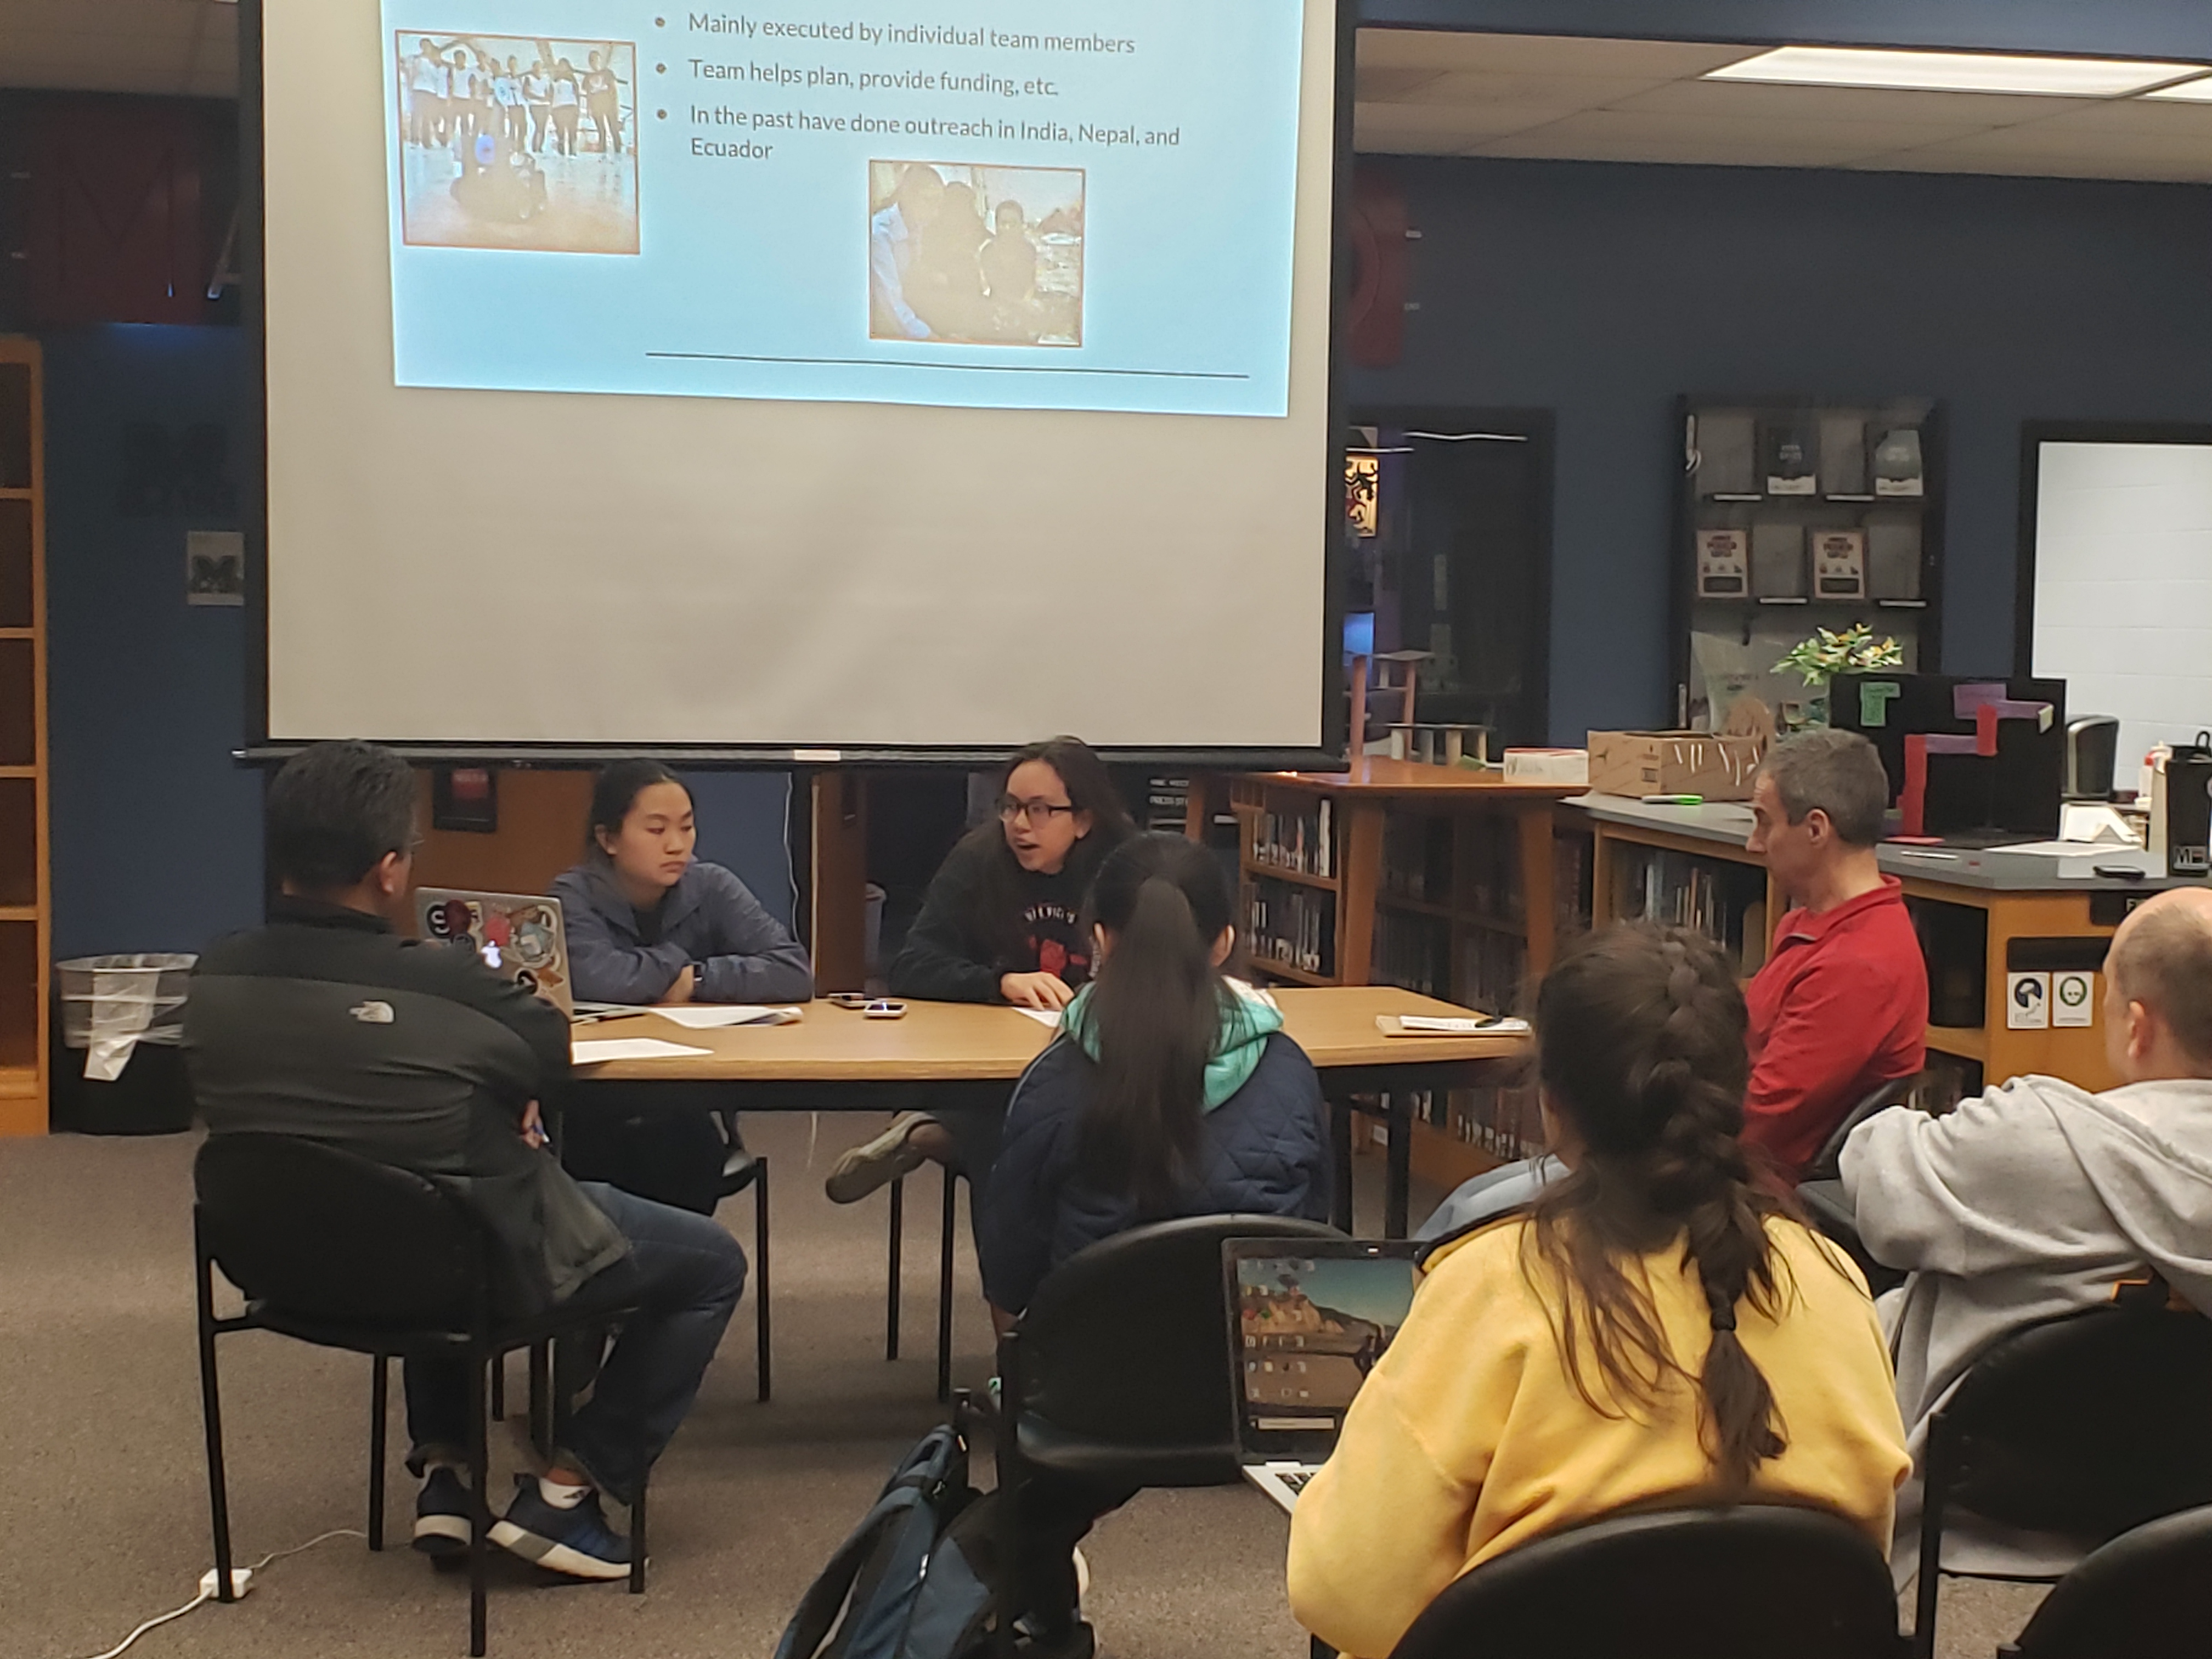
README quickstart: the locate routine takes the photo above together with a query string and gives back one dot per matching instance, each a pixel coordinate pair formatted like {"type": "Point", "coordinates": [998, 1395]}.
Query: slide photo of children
{"type": "Point", "coordinates": [975, 255]}
{"type": "Point", "coordinates": [506, 141]}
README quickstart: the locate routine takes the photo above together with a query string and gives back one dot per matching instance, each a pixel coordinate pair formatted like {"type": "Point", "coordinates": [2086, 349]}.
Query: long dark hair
{"type": "Point", "coordinates": [1640, 1046]}
{"type": "Point", "coordinates": [995, 922]}
{"type": "Point", "coordinates": [1155, 1010]}
{"type": "Point", "coordinates": [615, 791]}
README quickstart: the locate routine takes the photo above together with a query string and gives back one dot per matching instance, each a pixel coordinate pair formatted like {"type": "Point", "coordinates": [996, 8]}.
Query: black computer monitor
{"type": "Point", "coordinates": [2012, 795]}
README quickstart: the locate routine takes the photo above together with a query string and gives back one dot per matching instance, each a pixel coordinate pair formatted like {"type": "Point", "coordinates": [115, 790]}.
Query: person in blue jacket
{"type": "Point", "coordinates": [1172, 1091]}
{"type": "Point", "coordinates": [647, 923]}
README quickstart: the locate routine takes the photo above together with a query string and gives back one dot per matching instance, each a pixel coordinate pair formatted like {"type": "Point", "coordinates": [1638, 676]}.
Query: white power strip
{"type": "Point", "coordinates": [241, 1580]}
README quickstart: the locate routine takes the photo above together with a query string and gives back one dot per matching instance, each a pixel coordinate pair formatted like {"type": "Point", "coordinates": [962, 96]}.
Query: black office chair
{"type": "Point", "coordinates": [894, 1288]}
{"type": "Point", "coordinates": [2147, 1594]}
{"type": "Point", "coordinates": [1119, 1371]}
{"type": "Point", "coordinates": [743, 1170]}
{"type": "Point", "coordinates": [342, 1252]}
{"type": "Point", "coordinates": [1821, 1190]}
{"type": "Point", "coordinates": [1748, 1581]}
{"type": "Point", "coordinates": [2085, 1426]}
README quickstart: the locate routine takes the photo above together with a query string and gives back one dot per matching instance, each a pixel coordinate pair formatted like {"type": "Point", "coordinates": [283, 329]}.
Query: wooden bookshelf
{"type": "Point", "coordinates": [1483, 898]}
{"type": "Point", "coordinates": [26, 893]}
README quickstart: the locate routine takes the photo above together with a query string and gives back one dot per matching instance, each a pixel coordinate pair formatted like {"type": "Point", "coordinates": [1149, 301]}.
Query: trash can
{"type": "Point", "coordinates": [120, 1070]}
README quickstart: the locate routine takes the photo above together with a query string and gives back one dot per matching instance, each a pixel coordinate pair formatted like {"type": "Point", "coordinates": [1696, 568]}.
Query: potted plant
{"type": "Point", "coordinates": [1854, 651]}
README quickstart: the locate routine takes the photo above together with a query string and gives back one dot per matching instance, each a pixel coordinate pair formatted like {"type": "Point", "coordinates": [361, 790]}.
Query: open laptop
{"type": "Point", "coordinates": [1307, 1320]}
{"type": "Point", "coordinates": [517, 934]}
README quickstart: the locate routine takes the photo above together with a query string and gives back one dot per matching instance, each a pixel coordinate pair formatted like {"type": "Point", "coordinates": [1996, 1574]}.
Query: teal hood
{"type": "Point", "coordinates": [1249, 1018]}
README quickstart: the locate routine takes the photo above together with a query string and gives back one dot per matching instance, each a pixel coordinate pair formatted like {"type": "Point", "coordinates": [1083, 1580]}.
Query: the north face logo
{"type": "Point", "coordinates": [371, 1013]}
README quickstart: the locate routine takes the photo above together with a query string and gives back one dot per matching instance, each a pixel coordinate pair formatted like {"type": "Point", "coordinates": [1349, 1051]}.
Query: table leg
{"type": "Point", "coordinates": [1399, 1197]}
{"type": "Point", "coordinates": [1340, 1115]}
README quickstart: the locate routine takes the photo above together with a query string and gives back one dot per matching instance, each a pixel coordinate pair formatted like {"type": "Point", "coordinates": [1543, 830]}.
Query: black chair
{"type": "Point", "coordinates": [1821, 1190]}
{"type": "Point", "coordinates": [895, 1289]}
{"type": "Point", "coordinates": [743, 1170]}
{"type": "Point", "coordinates": [337, 1250]}
{"type": "Point", "coordinates": [1748, 1581]}
{"type": "Point", "coordinates": [2147, 1594]}
{"type": "Point", "coordinates": [2085, 1426]}
{"type": "Point", "coordinates": [1119, 1371]}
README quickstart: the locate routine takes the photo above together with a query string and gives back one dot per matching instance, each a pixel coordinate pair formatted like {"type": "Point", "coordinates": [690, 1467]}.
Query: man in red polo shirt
{"type": "Point", "coordinates": [1841, 1006]}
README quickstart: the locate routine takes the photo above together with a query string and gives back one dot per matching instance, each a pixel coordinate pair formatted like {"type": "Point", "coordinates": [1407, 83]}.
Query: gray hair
{"type": "Point", "coordinates": [1840, 773]}
{"type": "Point", "coordinates": [2164, 962]}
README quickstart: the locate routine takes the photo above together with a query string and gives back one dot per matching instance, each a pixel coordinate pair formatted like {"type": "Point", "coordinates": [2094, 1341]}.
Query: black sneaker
{"type": "Point", "coordinates": [576, 1541]}
{"type": "Point", "coordinates": [442, 1512]}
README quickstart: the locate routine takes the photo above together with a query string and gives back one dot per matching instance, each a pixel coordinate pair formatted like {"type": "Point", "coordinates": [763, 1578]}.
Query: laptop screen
{"type": "Point", "coordinates": [1309, 1329]}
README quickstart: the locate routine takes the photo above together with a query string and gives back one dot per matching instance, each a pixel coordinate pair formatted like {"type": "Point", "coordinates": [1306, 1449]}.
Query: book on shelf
{"type": "Point", "coordinates": [1571, 887]}
{"type": "Point", "coordinates": [1167, 804]}
{"type": "Point", "coordinates": [1417, 858]}
{"type": "Point", "coordinates": [1499, 1120]}
{"type": "Point", "coordinates": [1299, 840]}
{"type": "Point", "coordinates": [1492, 967]}
{"type": "Point", "coordinates": [1724, 901]}
{"type": "Point", "coordinates": [1494, 886]}
{"type": "Point", "coordinates": [1412, 952]}
{"type": "Point", "coordinates": [1291, 925]}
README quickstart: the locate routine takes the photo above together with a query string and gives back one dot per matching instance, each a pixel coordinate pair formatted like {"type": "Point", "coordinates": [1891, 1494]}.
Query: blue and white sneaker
{"type": "Point", "coordinates": [576, 1541]}
{"type": "Point", "coordinates": [442, 1514]}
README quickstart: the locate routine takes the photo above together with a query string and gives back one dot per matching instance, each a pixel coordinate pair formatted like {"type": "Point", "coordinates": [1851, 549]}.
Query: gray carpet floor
{"type": "Point", "coordinates": [100, 1440]}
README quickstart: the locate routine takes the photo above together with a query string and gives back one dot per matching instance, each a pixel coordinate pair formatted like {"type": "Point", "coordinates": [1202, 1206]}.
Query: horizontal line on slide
{"type": "Point", "coordinates": [979, 368]}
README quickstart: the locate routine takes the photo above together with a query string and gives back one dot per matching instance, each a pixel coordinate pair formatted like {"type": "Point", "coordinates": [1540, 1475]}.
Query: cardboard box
{"type": "Point", "coordinates": [1637, 763]}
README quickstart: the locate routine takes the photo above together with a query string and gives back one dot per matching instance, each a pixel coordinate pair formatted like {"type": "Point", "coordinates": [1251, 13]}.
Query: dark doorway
{"type": "Point", "coordinates": [1458, 563]}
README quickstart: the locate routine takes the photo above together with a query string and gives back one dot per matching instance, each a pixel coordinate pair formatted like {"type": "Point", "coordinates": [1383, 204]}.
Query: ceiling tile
{"type": "Point", "coordinates": [1380, 85]}
{"type": "Point", "coordinates": [1750, 99]}
{"type": "Point", "coordinates": [1553, 144]}
{"type": "Point", "coordinates": [1542, 54]}
{"type": "Point", "coordinates": [1616, 126]}
{"type": "Point", "coordinates": [2180, 123]}
{"type": "Point", "coordinates": [2048, 139]}
{"type": "Point", "coordinates": [1459, 123]}
{"type": "Point", "coordinates": [1568, 91]}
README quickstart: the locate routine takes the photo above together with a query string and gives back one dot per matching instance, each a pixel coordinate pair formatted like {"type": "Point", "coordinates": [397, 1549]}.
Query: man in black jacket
{"type": "Point", "coordinates": [327, 1026]}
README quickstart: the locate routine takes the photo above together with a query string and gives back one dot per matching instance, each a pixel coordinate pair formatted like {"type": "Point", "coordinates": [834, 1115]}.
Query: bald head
{"type": "Point", "coordinates": [2159, 1014]}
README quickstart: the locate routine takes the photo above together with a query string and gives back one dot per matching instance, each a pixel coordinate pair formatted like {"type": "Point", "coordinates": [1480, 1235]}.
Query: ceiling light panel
{"type": "Point", "coordinates": [2188, 92]}
{"type": "Point", "coordinates": [1951, 71]}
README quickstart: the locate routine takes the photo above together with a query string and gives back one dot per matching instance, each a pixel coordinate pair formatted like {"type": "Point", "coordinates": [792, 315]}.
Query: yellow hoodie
{"type": "Point", "coordinates": [1469, 1436]}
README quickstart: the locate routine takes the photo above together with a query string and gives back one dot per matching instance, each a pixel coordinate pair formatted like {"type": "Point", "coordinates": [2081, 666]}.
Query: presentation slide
{"type": "Point", "coordinates": [988, 204]}
{"type": "Point", "coordinates": [798, 381]}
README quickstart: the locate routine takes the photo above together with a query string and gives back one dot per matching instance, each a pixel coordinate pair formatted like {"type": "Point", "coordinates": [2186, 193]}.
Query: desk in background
{"type": "Point", "coordinates": [1983, 915]}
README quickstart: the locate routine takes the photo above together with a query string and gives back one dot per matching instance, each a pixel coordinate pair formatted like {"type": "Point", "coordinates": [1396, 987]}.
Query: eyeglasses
{"type": "Point", "coordinates": [1034, 811]}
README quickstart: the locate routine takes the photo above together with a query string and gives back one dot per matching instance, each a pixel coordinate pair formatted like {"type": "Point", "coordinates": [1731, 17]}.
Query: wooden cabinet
{"type": "Point", "coordinates": [26, 912]}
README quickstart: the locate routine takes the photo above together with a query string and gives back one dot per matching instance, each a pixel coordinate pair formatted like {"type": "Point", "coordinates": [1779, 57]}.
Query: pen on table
{"type": "Point", "coordinates": [1673, 800]}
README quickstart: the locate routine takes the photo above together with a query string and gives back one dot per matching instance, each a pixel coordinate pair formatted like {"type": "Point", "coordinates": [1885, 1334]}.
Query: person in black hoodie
{"type": "Point", "coordinates": [1002, 922]}
{"type": "Point", "coordinates": [325, 1025]}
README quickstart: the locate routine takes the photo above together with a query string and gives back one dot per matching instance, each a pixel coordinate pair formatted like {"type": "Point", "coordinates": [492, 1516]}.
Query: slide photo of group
{"type": "Point", "coordinates": [506, 141]}
{"type": "Point", "coordinates": [975, 255]}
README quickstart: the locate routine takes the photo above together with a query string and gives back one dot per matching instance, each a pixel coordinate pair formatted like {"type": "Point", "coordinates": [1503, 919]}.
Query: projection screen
{"type": "Point", "coordinates": [821, 377]}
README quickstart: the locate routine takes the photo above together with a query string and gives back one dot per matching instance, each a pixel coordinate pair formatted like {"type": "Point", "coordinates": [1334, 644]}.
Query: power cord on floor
{"type": "Point", "coordinates": [208, 1584]}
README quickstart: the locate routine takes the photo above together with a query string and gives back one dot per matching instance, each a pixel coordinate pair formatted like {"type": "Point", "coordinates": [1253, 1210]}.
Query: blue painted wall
{"type": "Point", "coordinates": [1602, 292]}
{"type": "Point", "coordinates": [156, 835]}
{"type": "Point", "coordinates": [156, 831]}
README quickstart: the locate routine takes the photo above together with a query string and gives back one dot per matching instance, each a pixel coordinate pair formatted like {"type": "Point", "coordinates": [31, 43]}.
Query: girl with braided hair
{"type": "Point", "coordinates": [1658, 1329]}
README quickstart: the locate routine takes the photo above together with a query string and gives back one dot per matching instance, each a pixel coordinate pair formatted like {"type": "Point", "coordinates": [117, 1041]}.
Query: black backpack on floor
{"type": "Point", "coordinates": [917, 1577]}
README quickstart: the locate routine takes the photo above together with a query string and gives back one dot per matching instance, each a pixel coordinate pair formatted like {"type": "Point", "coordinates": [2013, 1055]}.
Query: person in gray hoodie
{"type": "Point", "coordinates": [2035, 1199]}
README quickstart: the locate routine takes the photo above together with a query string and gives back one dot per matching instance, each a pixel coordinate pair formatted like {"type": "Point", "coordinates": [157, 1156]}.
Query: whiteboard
{"type": "Point", "coordinates": [2123, 599]}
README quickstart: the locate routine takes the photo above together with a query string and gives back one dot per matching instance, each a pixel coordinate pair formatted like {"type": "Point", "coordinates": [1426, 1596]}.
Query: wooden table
{"type": "Point", "coordinates": [836, 1061]}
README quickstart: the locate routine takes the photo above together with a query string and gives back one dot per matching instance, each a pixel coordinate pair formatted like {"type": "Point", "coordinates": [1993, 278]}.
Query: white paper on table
{"type": "Point", "coordinates": [712, 1017]}
{"type": "Point", "coordinates": [1042, 1015]}
{"type": "Point", "coordinates": [607, 1048]}
{"type": "Point", "coordinates": [1458, 1025]}
{"type": "Point", "coordinates": [2066, 849]}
